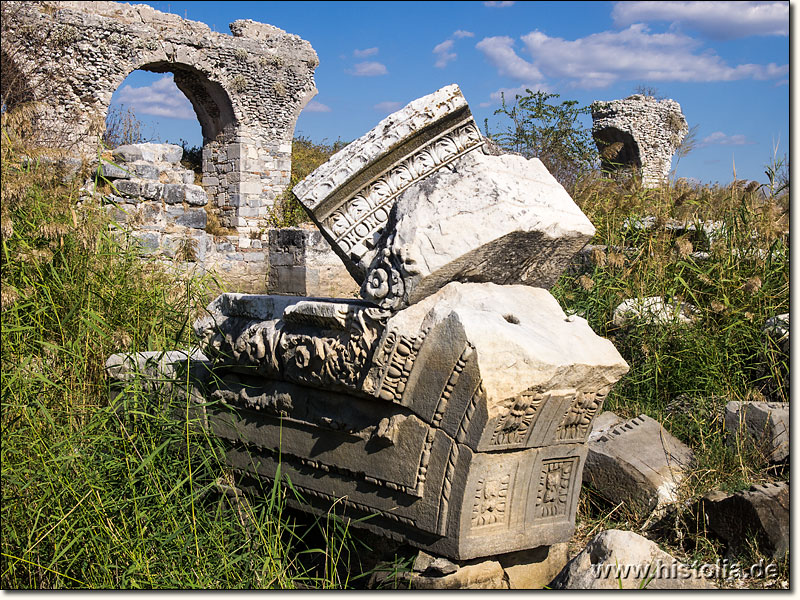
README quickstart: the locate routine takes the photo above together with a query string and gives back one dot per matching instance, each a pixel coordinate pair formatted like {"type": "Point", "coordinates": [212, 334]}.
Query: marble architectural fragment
{"type": "Point", "coordinates": [616, 559]}
{"type": "Point", "coordinates": [501, 219]}
{"type": "Point", "coordinates": [761, 512]}
{"type": "Point", "coordinates": [473, 406]}
{"type": "Point", "coordinates": [454, 415]}
{"type": "Point", "coordinates": [637, 462]}
{"type": "Point", "coordinates": [350, 196]}
{"type": "Point", "coordinates": [765, 424]}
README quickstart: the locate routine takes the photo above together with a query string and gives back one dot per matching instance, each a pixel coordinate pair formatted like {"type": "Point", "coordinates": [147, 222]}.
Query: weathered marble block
{"type": "Point", "coordinates": [302, 263]}
{"type": "Point", "coordinates": [458, 423]}
{"type": "Point", "coordinates": [350, 196]}
{"type": "Point", "coordinates": [637, 462]}
{"type": "Point", "coordinates": [766, 424]}
{"type": "Point", "coordinates": [500, 219]}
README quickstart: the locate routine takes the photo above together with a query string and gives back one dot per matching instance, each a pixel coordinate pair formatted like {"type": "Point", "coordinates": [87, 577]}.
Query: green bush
{"type": "Point", "coordinates": [549, 131]}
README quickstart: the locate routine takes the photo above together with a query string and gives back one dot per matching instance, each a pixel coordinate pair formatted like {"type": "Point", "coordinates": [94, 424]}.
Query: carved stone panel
{"type": "Point", "coordinates": [553, 493]}
{"type": "Point", "coordinates": [577, 422]}
{"type": "Point", "coordinates": [491, 502]}
{"type": "Point", "coordinates": [350, 196]}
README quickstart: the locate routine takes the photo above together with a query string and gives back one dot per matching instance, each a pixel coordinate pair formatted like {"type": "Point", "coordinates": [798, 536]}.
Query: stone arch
{"type": "Point", "coordinates": [214, 111]}
{"type": "Point", "coordinates": [617, 149]}
{"type": "Point", "coordinates": [644, 130]}
{"type": "Point", "coordinates": [247, 88]}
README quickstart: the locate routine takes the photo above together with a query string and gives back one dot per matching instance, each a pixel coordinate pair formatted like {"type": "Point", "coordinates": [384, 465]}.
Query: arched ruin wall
{"type": "Point", "coordinates": [656, 127]}
{"type": "Point", "coordinates": [76, 54]}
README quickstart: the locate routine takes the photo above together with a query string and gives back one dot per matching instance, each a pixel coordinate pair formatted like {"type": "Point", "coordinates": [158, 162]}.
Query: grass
{"type": "Point", "coordinates": [684, 376]}
{"type": "Point", "coordinates": [94, 496]}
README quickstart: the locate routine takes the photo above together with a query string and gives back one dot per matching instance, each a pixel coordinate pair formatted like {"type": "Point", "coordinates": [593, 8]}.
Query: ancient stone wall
{"type": "Point", "coordinates": [246, 89]}
{"type": "Point", "coordinates": [638, 134]}
{"type": "Point", "coordinates": [164, 212]}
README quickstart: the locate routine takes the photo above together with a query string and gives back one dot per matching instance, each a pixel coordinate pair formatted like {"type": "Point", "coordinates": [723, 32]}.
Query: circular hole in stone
{"type": "Point", "coordinates": [511, 319]}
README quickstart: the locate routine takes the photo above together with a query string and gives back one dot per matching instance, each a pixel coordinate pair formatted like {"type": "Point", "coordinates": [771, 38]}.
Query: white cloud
{"type": "Point", "coordinates": [721, 139]}
{"type": "Point", "coordinates": [500, 52]}
{"type": "Point", "coordinates": [368, 69]}
{"type": "Point", "coordinates": [720, 19]}
{"type": "Point", "coordinates": [460, 33]}
{"type": "Point", "coordinates": [510, 94]}
{"type": "Point", "coordinates": [315, 106]}
{"type": "Point", "coordinates": [496, 4]}
{"type": "Point", "coordinates": [365, 53]}
{"type": "Point", "coordinates": [443, 54]}
{"type": "Point", "coordinates": [388, 106]}
{"type": "Point", "coordinates": [162, 98]}
{"type": "Point", "coordinates": [633, 54]}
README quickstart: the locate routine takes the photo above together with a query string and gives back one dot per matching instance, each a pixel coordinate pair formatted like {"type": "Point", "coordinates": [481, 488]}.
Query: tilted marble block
{"type": "Point", "coordinates": [458, 423]}
{"type": "Point", "coordinates": [350, 196]}
{"type": "Point", "coordinates": [500, 219]}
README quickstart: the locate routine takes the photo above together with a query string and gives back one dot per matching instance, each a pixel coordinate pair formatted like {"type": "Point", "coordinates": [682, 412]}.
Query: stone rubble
{"type": "Point", "coordinates": [764, 424]}
{"type": "Point", "coordinates": [761, 511]}
{"type": "Point", "coordinates": [777, 329]}
{"type": "Point", "coordinates": [654, 310]}
{"type": "Point", "coordinates": [616, 559]}
{"type": "Point", "coordinates": [636, 462]}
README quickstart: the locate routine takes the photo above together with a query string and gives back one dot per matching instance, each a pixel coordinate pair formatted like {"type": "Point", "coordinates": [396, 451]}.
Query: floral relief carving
{"type": "Point", "coordinates": [357, 224]}
{"type": "Point", "coordinates": [491, 501]}
{"type": "Point", "coordinates": [577, 422]}
{"type": "Point", "coordinates": [514, 427]}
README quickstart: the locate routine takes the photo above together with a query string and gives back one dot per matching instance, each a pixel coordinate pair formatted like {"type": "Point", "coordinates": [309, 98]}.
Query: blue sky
{"type": "Point", "coordinates": [726, 63]}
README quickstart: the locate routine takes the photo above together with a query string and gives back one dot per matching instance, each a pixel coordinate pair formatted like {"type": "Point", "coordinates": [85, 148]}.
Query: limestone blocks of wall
{"type": "Point", "coordinates": [302, 263]}
{"type": "Point", "coordinates": [638, 133]}
{"type": "Point", "coordinates": [155, 200]}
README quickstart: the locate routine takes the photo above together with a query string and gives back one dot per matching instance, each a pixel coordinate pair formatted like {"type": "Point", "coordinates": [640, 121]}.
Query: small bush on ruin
{"type": "Point", "coordinates": [123, 127]}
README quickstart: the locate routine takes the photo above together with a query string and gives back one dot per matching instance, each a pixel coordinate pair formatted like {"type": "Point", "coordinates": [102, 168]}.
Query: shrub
{"type": "Point", "coordinates": [549, 131]}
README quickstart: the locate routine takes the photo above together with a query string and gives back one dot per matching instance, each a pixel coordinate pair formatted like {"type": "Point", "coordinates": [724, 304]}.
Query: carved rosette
{"type": "Point", "coordinates": [513, 428]}
{"type": "Point", "coordinates": [357, 224]}
{"type": "Point", "coordinates": [387, 278]}
{"type": "Point", "coordinates": [491, 501]}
